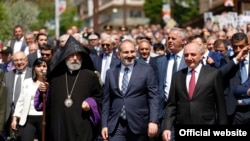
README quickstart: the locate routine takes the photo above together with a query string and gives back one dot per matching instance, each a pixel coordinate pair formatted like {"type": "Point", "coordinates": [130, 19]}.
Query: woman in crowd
{"type": "Point", "coordinates": [30, 120]}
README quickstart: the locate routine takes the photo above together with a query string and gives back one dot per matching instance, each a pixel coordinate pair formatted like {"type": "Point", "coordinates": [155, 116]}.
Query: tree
{"type": "Point", "coordinates": [4, 22]}
{"type": "Point", "coordinates": [184, 10]}
{"type": "Point", "coordinates": [69, 18]}
{"type": "Point", "coordinates": [22, 13]}
{"type": "Point", "coordinates": [16, 13]}
{"type": "Point", "coordinates": [153, 10]}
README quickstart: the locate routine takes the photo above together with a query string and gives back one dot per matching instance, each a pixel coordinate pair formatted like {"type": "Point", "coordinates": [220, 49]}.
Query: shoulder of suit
{"type": "Point", "coordinates": [210, 68]}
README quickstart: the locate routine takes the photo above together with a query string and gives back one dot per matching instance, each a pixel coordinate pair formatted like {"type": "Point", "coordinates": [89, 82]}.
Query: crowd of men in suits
{"type": "Point", "coordinates": [173, 76]}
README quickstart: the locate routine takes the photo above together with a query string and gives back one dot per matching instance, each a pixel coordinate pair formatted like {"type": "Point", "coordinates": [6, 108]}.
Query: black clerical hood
{"type": "Point", "coordinates": [72, 46]}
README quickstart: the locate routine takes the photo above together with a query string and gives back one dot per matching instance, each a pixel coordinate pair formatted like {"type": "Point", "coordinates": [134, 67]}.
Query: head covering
{"type": "Point", "coordinates": [93, 36]}
{"type": "Point", "coordinates": [123, 28]}
{"type": "Point", "coordinates": [72, 46]}
{"type": "Point", "coordinates": [6, 50]}
{"type": "Point", "coordinates": [108, 27]}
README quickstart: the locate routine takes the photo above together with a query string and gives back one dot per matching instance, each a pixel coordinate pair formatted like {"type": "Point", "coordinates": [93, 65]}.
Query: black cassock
{"type": "Point", "coordinates": [72, 123]}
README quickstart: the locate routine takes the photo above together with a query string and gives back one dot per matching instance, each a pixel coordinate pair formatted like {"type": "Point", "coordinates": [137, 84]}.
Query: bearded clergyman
{"type": "Point", "coordinates": [74, 96]}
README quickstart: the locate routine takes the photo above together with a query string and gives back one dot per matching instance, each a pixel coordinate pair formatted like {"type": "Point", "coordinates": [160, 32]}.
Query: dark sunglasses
{"type": "Point", "coordinates": [107, 45]}
{"type": "Point", "coordinates": [44, 54]}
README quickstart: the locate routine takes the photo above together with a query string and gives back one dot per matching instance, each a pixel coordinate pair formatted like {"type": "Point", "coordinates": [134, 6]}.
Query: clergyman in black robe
{"type": "Point", "coordinates": [70, 90]}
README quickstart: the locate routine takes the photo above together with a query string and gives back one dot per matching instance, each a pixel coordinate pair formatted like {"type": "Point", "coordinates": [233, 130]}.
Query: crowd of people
{"type": "Point", "coordinates": [122, 84]}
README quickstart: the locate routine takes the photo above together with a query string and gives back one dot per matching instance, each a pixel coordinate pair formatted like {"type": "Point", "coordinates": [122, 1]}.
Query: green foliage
{"type": "Point", "coordinates": [4, 22]}
{"type": "Point", "coordinates": [153, 10]}
{"type": "Point", "coordinates": [22, 13]}
{"type": "Point", "coordinates": [47, 12]}
{"type": "Point", "coordinates": [32, 15]}
{"type": "Point", "coordinates": [185, 10]}
{"type": "Point", "coordinates": [14, 13]}
{"type": "Point", "coordinates": [182, 10]}
{"type": "Point", "coordinates": [68, 19]}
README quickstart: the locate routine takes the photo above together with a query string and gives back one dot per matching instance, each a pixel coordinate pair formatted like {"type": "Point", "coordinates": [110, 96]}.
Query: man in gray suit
{"type": "Point", "coordinates": [20, 62]}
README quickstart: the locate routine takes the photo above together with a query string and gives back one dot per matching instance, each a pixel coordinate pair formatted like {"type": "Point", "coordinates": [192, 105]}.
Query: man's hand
{"type": "Point", "coordinates": [14, 123]}
{"type": "Point", "coordinates": [105, 133]}
{"type": "Point", "coordinates": [243, 53]}
{"type": "Point", "coordinates": [166, 135]}
{"type": "Point", "coordinates": [152, 129]}
{"type": "Point", "coordinates": [43, 86]}
{"type": "Point", "coordinates": [85, 106]}
{"type": "Point", "coordinates": [210, 61]}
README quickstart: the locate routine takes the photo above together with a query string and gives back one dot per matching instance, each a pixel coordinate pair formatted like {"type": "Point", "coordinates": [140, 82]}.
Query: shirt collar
{"type": "Point", "coordinates": [197, 68]}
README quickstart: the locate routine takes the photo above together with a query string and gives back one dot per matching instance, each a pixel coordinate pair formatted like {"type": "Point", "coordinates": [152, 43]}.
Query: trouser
{"type": "Point", "coordinates": [32, 129]}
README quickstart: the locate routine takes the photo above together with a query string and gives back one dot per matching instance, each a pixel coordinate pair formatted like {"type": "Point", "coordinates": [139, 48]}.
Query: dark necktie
{"type": "Point", "coordinates": [175, 64]}
{"type": "Point", "coordinates": [124, 89]}
{"type": "Point", "coordinates": [17, 87]}
{"type": "Point", "coordinates": [191, 84]}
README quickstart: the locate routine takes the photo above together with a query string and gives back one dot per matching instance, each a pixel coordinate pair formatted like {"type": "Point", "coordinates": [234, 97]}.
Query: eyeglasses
{"type": "Point", "coordinates": [21, 60]}
{"type": "Point", "coordinates": [45, 54]}
{"type": "Point", "coordinates": [107, 45]}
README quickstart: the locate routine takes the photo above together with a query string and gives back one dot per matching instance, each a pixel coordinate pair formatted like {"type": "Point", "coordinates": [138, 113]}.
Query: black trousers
{"type": "Point", "coordinates": [32, 129]}
{"type": "Point", "coordinates": [242, 115]}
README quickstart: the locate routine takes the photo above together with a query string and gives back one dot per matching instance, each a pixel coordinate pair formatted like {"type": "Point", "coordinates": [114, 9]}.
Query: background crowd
{"type": "Point", "coordinates": [123, 84]}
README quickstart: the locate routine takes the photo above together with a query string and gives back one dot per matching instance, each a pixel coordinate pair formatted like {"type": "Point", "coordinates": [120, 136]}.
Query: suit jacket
{"type": "Point", "coordinates": [152, 61]}
{"type": "Point", "coordinates": [9, 79]}
{"type": "Point", "coordinates": [141, 99]}
{"type": "Point", "coordinates": [23, 104]}
{"type": "Point", "coordinates": [161, 72]}
{"type": "Point", "coordinates": [24, 44]}
{"type": "Point", "coordinates": [216, 57]}
{"type": "Point", "coordinates": [232, 78]}
{"type": "Point", "coordinates": [97, 61]}
{"type": "Point", "coordinates": [3, 101]}
{"type": "Point", "coordinates": [31, 58]}
{"type": "Point", "coordinates": [207, 106]}
{"type": "Point", "coordinates": [240, 91]}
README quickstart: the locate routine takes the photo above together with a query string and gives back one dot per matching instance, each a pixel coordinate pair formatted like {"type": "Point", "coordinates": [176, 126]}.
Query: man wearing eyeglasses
{"type": "Point", "coordinates": [20, 62]}
{"type": "Point", "coordinates": [103, 62]}
{"type": "Point", "coordinates": [47, 52]}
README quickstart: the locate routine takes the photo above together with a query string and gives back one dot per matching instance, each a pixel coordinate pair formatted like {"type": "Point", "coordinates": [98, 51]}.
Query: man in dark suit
{"type": "Point", "coordinates": [130, 113]}
{"type": "Point", "coordinates": [196, 94]}
{"type": "Point", "coordinates": [106, 59]}
{"type": "Point", "coordinates": [20, 63]}
{"type": "Point", "coordinates": [42, 39]}
{"type": "Point", "coordinates": [238, 112]}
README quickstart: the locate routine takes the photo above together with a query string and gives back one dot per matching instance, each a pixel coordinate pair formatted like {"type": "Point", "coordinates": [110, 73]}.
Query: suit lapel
{"type": "Point", "coordinates": [183, 79]}
{"type": "Point", "coordinates": [117, 75]}
{"type": "Point", "coordinates": [135, 73]}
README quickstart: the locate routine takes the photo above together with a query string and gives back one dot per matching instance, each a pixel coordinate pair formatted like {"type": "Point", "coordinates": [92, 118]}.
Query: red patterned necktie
{"type": "Point", "coordinates": [191, 84]}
